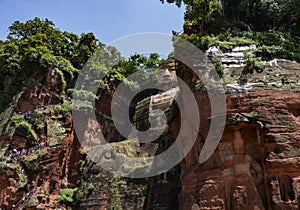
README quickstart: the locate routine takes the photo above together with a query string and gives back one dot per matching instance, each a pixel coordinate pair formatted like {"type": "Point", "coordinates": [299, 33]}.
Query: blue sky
{"type": "Point", "coordinates": [108, 19]}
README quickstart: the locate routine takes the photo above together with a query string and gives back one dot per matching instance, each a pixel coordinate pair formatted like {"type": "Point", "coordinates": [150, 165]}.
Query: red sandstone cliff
{"type": "Point", "coordinates": [255, 166]}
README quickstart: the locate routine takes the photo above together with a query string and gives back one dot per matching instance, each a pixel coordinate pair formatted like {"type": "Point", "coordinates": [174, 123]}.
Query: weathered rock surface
{"type": "Point", "coordinates": [33, 175]}
{"type": "Point", "coordinates": [255, 166]}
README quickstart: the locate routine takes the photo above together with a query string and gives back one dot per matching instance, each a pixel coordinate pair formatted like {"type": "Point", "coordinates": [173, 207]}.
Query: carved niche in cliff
{"type": "Point", "coordinates": [232, 178]}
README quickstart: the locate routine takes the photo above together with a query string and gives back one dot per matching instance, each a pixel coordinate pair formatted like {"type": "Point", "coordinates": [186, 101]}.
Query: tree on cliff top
{"type": "Point", "coordinates": [37, 47]}
{"type": "Point", "coordinates": [259, 15]}
{"type": "Point", "coordinates": [272, 25]}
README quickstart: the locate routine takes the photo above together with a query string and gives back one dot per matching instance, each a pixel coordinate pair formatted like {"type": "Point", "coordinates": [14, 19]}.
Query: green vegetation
{"type": "Point", "coordinates": [270, 44]}
{"type": "Point", "coordinates": [272, 25]}
{"type": "Point", "coordinates": [82, 165]}
{"type": "Point", "coordinates": [30, 131]}
{"type": "Point", "coordinates": [55, 132]}
{"type": "Point", "coordinates": [37, 49]}
{"type": "Point", "coordinates": [83, 98]}
{"type": "Point", "coordinates": [32, 48]}
{"type": "Point", "coordinates": [39, 119]}
{"type": "Point", "coordinates": [116, 201]}
{"type": "Point", "coordinates": [116, 185]}
{"type": "Point", "coordinates": [31, 162]}
{"type": "Point", "coordinates": [17, 119]}
{"type": "Point", "coordinates": [91, 187]}
{"type": "Point", "coordinates": [64, 109]}
{"type": "Point", "coordinates": [219, 67]}
{"type": "Point", "coordinates": [19, 122]}
{"type": "Point", "coordinates": [252, 64]}
{"type": "Point", "coordinates": [67, 195]}
{"type": "Point", "coordinates": [63, 82]}
{"type": "Point", "coordinates": [108, 64]}
{"type": "Point", "coordinates": [5, 165]}
{"type": "Point", "coordinates": [260, 15]}
{"type": "Point", "coordinates": [22, 180]}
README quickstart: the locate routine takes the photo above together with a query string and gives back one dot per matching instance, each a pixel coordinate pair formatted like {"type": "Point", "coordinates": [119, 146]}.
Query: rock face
{"type": "Point", "coordinates": [256, 164]}
{"type": "Point", "coordinates": [33, 175]}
